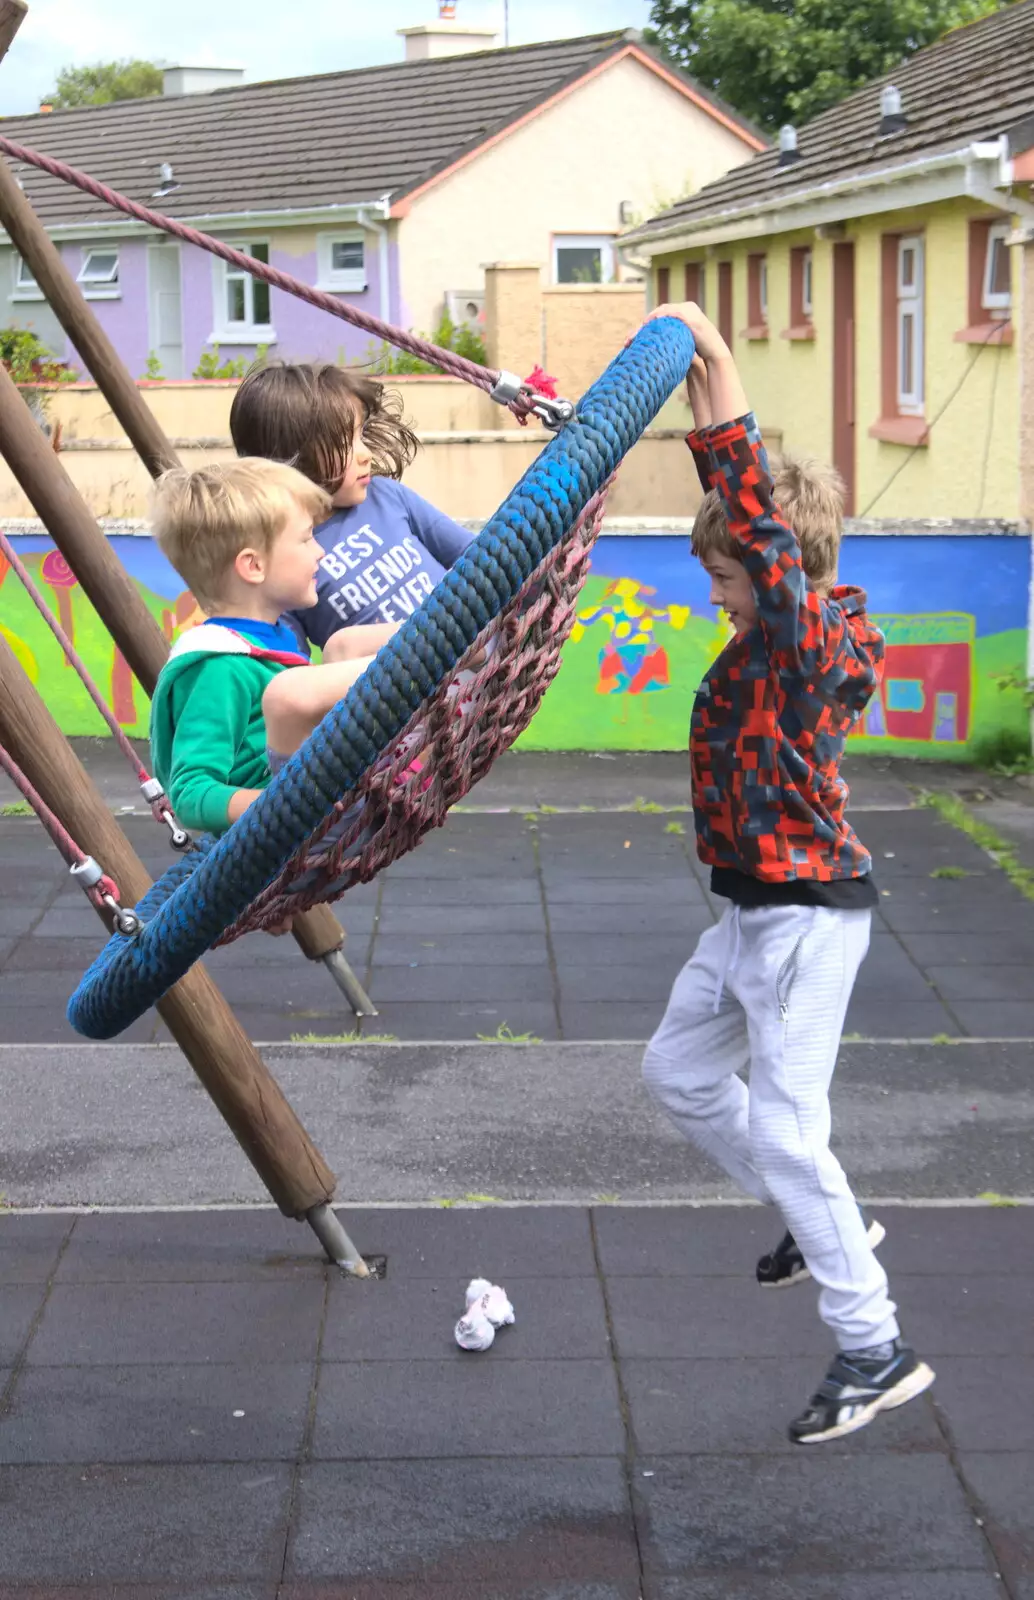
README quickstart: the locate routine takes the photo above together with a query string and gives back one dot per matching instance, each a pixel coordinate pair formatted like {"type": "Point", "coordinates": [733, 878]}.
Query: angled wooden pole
{"type": "Point", "coordinates": [202, 1023]}
{"type": "Point", "coordinates": [12, 15]}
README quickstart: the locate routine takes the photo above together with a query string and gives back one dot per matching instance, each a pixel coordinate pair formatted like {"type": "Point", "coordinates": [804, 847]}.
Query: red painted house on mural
{"type": "Point", "coordinates": [926, 692]}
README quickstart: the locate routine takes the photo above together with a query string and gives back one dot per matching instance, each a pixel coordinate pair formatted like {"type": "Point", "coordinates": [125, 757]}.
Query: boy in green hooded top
{"type": "Point", "coordinates": [227, 710]}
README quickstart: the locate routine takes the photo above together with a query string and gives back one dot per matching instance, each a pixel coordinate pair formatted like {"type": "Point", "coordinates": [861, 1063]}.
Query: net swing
{"type": "Point", "coordinates": [449, 692]}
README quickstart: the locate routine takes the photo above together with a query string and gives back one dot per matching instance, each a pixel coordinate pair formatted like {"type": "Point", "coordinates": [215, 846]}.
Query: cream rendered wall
{"type": "Point", "coordinates": [970, 467]}
{"type": "Point", "coordinates": [623, 135]}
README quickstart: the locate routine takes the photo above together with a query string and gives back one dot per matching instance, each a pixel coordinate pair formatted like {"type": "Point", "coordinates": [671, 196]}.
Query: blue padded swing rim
{"type": "Point", "coordinates": [189, 907]}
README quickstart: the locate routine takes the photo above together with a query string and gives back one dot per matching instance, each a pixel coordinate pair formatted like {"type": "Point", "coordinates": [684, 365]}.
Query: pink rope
{"type": "Point", "coordinates": [470, 371]}
{"type": "Point", "coordinates": [159, 805]}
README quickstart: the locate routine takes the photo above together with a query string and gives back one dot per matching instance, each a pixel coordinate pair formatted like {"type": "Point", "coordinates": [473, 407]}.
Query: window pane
{"type": "Point", "coordinates": [908, 267]}
{"type": "Point", "coordinates": [806, 284]}
{"type": "Point", "coordinates": [763, 288]}
{"type": "Point", "coordinates": [998, 278]}
{"type": "Point", "coordinates": [907, 353]}
{"type": "Point", "coordinates": [579, 264]}
{"type": "Point", "coordinates": [25, 277]}
{"type": "Point", "coordinates": [236, 305]}
{"type": "Point", "coordinates": [346, 255]}
{"type": "Point", "coordinates": [260, 291]}
{"type": "Point", "coordinates": [100, 266]}
{"type": "Point", "coordinates": [258, 252]}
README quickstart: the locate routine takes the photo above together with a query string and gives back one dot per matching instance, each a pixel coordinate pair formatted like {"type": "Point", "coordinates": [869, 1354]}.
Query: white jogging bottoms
{"type": "Point", "coordinates": [767, 989]}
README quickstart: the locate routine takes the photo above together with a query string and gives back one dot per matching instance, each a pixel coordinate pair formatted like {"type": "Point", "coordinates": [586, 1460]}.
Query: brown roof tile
{"type": "Point", "coordinates": [334, 139]}
{"type": "Point", "coordinates": [976, 83]}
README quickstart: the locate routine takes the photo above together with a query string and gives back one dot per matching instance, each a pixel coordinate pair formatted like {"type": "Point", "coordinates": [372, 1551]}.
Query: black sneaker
{"type": "Point", "coordinates": [785, 1264]}
{"type": "Point", "coordinates": [857, 1385]}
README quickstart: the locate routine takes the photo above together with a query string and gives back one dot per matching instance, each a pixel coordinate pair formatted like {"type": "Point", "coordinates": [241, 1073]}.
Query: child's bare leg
{"type": "Point", "coordinates": [296, 700]}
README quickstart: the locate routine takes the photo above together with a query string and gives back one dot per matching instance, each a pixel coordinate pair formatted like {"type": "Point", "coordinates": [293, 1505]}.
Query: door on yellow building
{"type": "Point", "coordinates": [844, 370]}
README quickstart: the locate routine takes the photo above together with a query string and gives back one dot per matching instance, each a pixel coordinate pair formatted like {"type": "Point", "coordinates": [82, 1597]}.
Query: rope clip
{"type": "Point", "coordinates": [154, 794]}
{"type": "Point", "coordinates": [553, 414]}
{"type": "Point", "coordinates": [92, 879]}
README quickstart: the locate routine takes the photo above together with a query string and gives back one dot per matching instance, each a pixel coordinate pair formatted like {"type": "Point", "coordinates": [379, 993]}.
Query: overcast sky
{"type": "Point", "coordinates": [317, 35]}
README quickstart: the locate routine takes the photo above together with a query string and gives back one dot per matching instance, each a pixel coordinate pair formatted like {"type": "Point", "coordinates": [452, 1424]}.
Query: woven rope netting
{"type": "Point", "coordinates": [477, 712]}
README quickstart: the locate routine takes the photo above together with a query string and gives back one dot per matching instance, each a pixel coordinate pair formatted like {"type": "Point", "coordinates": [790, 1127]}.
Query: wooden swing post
{"type": "Point", "coordinates": [68, 519]}
{"type": "Point", "coordinates": [204, 1027]}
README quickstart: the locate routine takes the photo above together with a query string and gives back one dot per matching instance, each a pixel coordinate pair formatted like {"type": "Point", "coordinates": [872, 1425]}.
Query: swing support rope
{"type": "Point", "coordinates": [150, 788]}
{"type": "Point", "coordinates": [519, 395]}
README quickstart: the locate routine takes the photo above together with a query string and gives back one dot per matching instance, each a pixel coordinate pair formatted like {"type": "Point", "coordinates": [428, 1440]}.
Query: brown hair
{"type": "Point", "coordinates": [810, 496]}
{"type": "Point", "coordinates": [307, 413]}
{"type": "Point", "coordinates": [205, 518]}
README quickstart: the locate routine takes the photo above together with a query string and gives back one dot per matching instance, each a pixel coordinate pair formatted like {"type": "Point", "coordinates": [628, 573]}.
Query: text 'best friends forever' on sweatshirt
{"type": "Point", "coordinates": [381, 561]}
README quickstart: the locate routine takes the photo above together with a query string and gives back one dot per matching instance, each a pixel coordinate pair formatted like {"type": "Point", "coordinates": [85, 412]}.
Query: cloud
{"type": "Point", "coordinates": [338, 34]}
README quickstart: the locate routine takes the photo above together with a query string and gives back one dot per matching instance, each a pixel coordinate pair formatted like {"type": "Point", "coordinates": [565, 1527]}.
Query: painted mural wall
{"type": "Point", "coordinates": [953, 609]}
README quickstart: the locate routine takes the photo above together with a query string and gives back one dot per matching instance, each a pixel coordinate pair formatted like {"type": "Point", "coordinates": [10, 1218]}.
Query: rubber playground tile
{"type": "Point", "coordinates": [403, 1319]}
{"type": "Point", "coordinates": [467, 1405]}
{"type": "Point", "coordinates": [982, 1399]}
{"type": "Point", "coordinates": [684, 1241]}
{"type": "Point", "coordinates": [784, 1514]}
{"type": "Point", "coordinates": [615, 950]}
{"type": "Point", "coordinates": [873, 1016]}
{"type": "Point", "coordinates": [434, 921]}
{"type": "Point", "coordinates": [970, 982]}
{"type": "Point", "coordinates": [961, 1241]}
{"type": "Point", "coordinates": [996, 1019]}
{"type": "Point", "coordinates": [1003, 1484]}
{"type": "Point", "coordinates": [48, 1024]}
{"type": "Point", "coordinates": [76, 922]}
{"type": "Point", "coordinates": [454, 1245]}
{"type": "Point", "coordinates": [157, 1413]}
{"type": "Point", "coordinates": [980, 1315]}
{"type": "Point", "coordinates": [1002, 912]}
{"type": "Point", "coordinates": [743, 1408]}
{"type": "Point", "coordinates": [448, 892]}
{"type": "Point", "coordinates": [196, 1590]}
{"type": "Point", "coordinates": [635, 984]}
{"type": "Point", "coordinates": [635, 1020]}
{"type": "Point", "coordinates": [456, 1589]}
{"type": "Point", "coordinates": [933, 949]}
{"type": "Point", "coordinates": [636, 914]}
{"type": "Point", "coordinates": [161, 1525]}
{"type": "Point", "coordinates": [190, 1247]}
{"type": "Point", "coordinates": [150, 1324]}
{"type": "Point", "coordinates": [19, 1306]}
{"type": "Point", "coordinates": [452, 950]}
{"type": "Point", "coordinates": [18, 918]}
{"type": "Point", "coordinates": [839, 1586]}
{"type": "Point", "coordinates": [722, 1318]}
{"type": "Point", "coordinates": [30, 1247]}
{"type": "Point", "coordinates": [414, 984]}
{"type": "Point", "coordinates": [453, 1020]}
{"type": "Point", "coordinates": [531, 1521]}
{"type": "Point", "coordinates": [55, 955]}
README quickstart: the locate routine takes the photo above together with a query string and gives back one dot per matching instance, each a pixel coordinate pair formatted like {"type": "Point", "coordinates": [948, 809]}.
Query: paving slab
{"type": "Point", "coordinates": [1003, 1485]}
{"type": "Point", "coordinates": [841, 1586]}
{"type": "Point", "coordinates": [533, 1520]}
{"type": "Point", "coordinates": [785, 1514]}
{"type": "Point", "coordinates": [144, 1524]}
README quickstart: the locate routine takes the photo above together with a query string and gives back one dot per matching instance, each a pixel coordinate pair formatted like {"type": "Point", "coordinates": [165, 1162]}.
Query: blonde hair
{"type": "Point", "coordinates": [810, 497]}
{"type": "Point", "coordinates": [205, 518]}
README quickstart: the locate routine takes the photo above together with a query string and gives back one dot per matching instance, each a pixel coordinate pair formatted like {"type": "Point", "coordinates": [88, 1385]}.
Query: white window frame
{"type": "Point", "coordinates": [249, 331]}
{"type": "Point", "coordinates": [347, 280]}
{"type": "Point", "coordinates": [603, 242]}
{"type": "Point", "coordinates": [23, 290]}
{"type": "Point", "coordinates": [104, 285]}
{"type": "Point", "coordinates": [910, 303]}
{"type": "Point", "coordinates": [990, 300]}
{"type": "Point", "coordinates": [807, 285]}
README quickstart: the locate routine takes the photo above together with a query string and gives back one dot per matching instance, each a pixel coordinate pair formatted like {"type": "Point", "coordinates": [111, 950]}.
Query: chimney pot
{"type": "Point", "coordinates": [892, 116]}
{"type": "Point", "coordinates": [788, 151]}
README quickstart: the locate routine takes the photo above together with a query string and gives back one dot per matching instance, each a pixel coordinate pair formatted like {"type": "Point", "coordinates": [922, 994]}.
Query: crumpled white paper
{"type": "Point", "coordinates": [488, 1308]}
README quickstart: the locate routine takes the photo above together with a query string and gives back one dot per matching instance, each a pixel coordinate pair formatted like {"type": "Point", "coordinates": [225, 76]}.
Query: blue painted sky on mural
{"type": "Point", "coordinates": [336, 34]}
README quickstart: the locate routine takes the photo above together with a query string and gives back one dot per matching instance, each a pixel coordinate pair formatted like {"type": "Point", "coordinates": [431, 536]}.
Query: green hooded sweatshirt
{"type": "Point", "coordinates": [208, 736]}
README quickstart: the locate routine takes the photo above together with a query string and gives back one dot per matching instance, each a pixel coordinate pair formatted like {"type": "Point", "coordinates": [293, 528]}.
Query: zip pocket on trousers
{"type": "Point", "coordinates": [785, 979]}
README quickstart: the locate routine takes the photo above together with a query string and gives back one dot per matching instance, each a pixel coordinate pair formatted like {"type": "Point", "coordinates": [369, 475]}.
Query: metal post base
{"type": "Point", "coordinates": [349, 984]}
{"type": "Point", "coordinates": [326, 1225]}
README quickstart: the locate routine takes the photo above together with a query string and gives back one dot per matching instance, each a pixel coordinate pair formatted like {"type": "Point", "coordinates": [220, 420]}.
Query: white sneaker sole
{"type": "Point", "coordinates": [902, 1392]}
{"type": "Point", "coordinates": [876, 1235]}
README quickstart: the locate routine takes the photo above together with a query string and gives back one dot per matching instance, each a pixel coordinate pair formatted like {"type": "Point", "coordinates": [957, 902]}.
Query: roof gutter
{"type": "Point", "coordinates": [838, 200]}
{"type": "Point", "coordinates": [124, 227]}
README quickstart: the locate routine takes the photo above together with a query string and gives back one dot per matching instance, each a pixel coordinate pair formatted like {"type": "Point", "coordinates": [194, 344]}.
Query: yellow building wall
{"type": "Point", "coordinates": [623, 135]}
{"type": "Point", "coordinates": [970, 467]}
